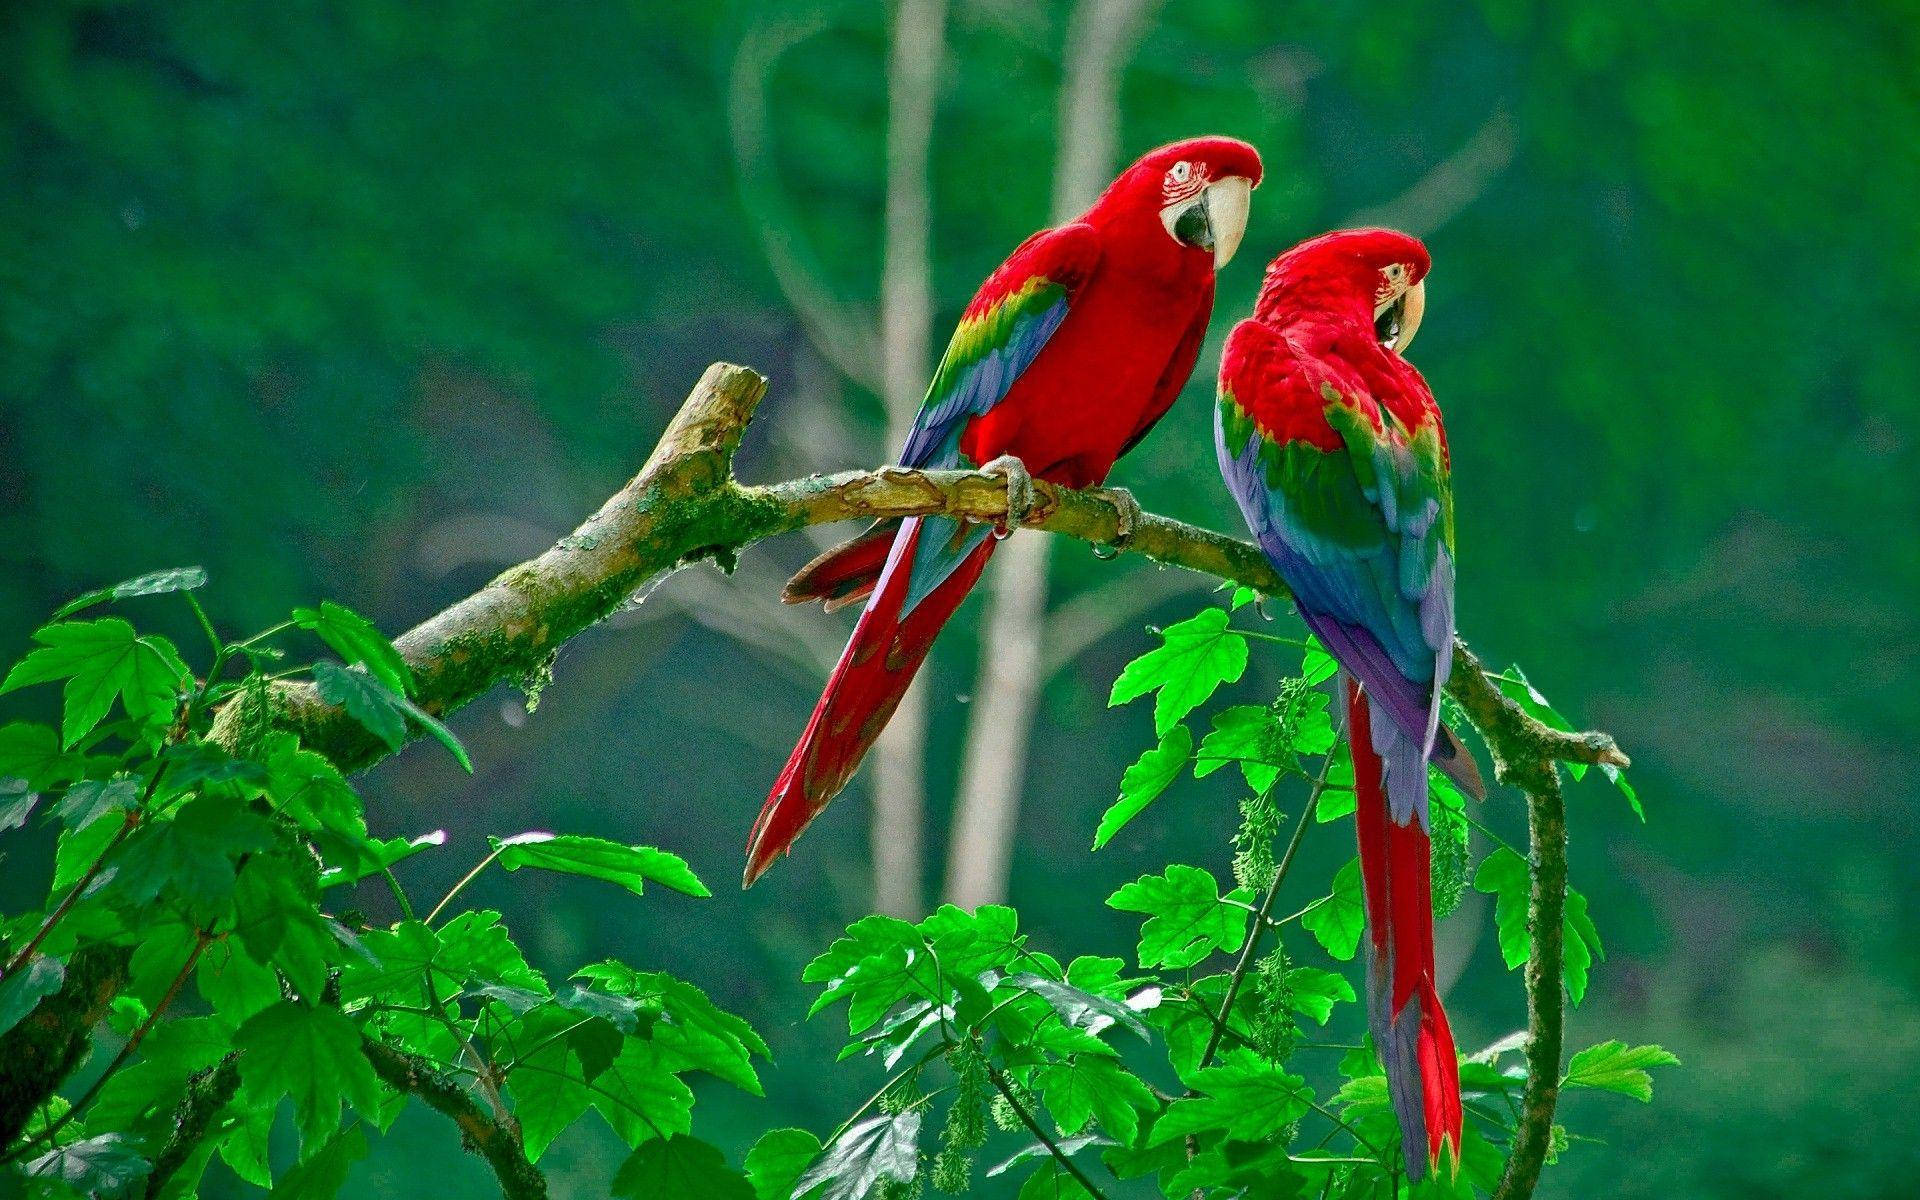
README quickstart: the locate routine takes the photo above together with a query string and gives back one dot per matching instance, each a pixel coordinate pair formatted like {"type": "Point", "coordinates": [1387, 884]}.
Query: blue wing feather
{"type": "Point", "coordinates": [989, 352]}
{"type": "Point", "coordinates": [1384, 608]}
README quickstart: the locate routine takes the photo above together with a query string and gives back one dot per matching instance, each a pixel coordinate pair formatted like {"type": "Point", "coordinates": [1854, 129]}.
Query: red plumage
{"type": "Point", "coordinates": [866, 685]}
{"type": "Point", "coordinates": [1066, 357]}
{"type": "Point", "coordinates": [1397, 882]}
{"type": "Point", "coordinates": [1334, 450]}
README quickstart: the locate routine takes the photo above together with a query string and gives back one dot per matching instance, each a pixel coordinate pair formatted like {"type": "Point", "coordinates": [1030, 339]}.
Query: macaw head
{"type": "Point", "coordinates": [1372, 274]}
{"type": "Point", "coordinates": [1195, 193]}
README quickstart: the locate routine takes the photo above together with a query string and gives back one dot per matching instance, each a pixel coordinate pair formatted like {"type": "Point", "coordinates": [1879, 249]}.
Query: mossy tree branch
{"type": "Point", "coordinates": [494, 1139]}
{"type": "Point", "coordinates": [208, 1092]}
{"type": "Point", "coordinates": [685, 505]}
{"type": "Point", "coordinates": [38, 1054]}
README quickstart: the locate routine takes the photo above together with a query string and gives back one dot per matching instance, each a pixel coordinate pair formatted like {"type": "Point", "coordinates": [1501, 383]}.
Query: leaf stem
{"type": "Point", "coordinates": [884, 1088]}
{"type": "Point", "coordinates": [206, 625]}
{"type": "Point", "coordinates": [1276, 639]}
{"type": "Point", "coordinates": [466, 879]}
{"type": "Point", "coordinates": [399, 893]}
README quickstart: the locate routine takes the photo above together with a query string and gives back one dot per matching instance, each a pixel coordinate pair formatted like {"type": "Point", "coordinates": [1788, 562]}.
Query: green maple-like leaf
{"type": "Point", "coordinates": [27, 985]}
{"type": "Point", "coordinates": [362, 857]}
{"type": "Point", "coordinates": [355, 639]}
{"type": "Point", "coordinates": [233, 983]}
{"type": "Point", "coordinates": [1582, 946]}
{"type": "Point", "coordinates": [1193, 659]}
{"type": "Point", "coordinates": [106, 1167]}
{"type": "Point", "coordinates": [33, 753]}
{"type": "Point", "coordinates": [154, 583]}
{"type": "Point", "coordinates": [1036, 1151]}
{"type": "Point", "coordinates": [776, 1161]}
{"type": "Point", "coordinates": [683, 1167]}
{"type": "Point", "coordinates": [1614, 1066]}
{"type": "Point", "coordinates": [1316, 665]}
{"type": "Point", "coordinates": [157, 1080]}
{"type": "Point", "coordinates": [1142, 783]}
{"type": "Point", "coordinates": [79, 849]}
{"type": "Point", "coordinates": [91, 799]}
{"type": "Point", "coordinates": [1079, 1008]}
{"type": "Point", "coordinates": [1243, 734]}
{"type": "Point", "coordinates": [16, 803]}
{"type": "Point", "coordinates": [1188, 918]}
{"type": "Point", "coordinates": [103, 661]}
{"type": "Point", "coordinates": [640, 1096]}
{"type": "Point", "coordinates": [1503, 875]}
{"type": "Point", "coordinates": [1246, 1098]}
{"type": "Point", "coordinates": [308, 788]}
{"type": "Point", "coordinates": [193, 856]}
{"type": "Point", "coordinates": [276, 906]}
{"type": "Point", "coordinates": [476, 946]}
{"type": "Point", "coordinates": [968, 943]}
{"type": "Point", "coordinates": [396, 972]}
{"type": "Point", "coordinates": [1315, 992]}
{"type": "Point", "coordinates": [1094, 1089]}
{"type": "Point", "coordinates": [322, 1174]}
{"type": "Point", "coordinates": [598, 858]}
{"type": "Point", "coordinates": [1338, 921]}
{"type": "Point", "coordinates": [696, 1032]}
{"type": "Point", "coordinates": [880, 1148]}
{"type": "Point", "coordinates": [881, 961]}
{"type": "Point", "coordinates": [549, 1085]}
{"type": "Point", "coordinates": [244, 1148]}
{"type": "Point", "coordinates": [382, 710]}
{"type": "Point", "coordinates": [1337, 796]}
{"type": "Point", "coordinates": [310, 1054]}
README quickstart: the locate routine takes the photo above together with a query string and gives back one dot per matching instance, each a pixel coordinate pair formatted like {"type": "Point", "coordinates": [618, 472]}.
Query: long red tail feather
{"type": "Point", "coordinates": [1410, 1028]}
{"type": "Point", "coordinates": [845, 574]}
{"type": "Point", "coordinates": [873, 673]}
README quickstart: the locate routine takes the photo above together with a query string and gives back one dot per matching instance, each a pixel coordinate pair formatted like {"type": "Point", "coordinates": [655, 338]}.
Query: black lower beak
{"type": "Point", "coordinates": [1195, 226]}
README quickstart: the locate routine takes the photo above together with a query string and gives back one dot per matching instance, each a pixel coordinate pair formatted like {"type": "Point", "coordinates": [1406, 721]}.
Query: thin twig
{"type": "Point", "coordinates": [1248, 952]}
{"type": "Point", "coordinates": [73, 894]}
{"type": "Point", "coordinates": [1026, 1118]}
{"type": "Point", "coordinates": [79, 887]}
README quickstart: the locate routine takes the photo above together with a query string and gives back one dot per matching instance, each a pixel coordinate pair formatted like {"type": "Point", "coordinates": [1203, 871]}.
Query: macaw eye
{"type": "Point", "coordinates": [1181, 172]}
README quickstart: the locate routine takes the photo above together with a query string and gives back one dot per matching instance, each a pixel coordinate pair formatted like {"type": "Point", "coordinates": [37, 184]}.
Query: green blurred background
{"type": "Point", "coordinates": [366, 300]}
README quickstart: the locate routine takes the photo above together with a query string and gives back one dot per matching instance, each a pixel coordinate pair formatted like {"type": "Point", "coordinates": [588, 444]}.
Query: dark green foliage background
{"type": "Point", "coordinates": [366, 300]}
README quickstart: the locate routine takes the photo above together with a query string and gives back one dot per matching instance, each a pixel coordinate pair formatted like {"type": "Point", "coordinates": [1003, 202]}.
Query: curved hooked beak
{"type": "Point", "coordinates": [1215, 220]}
{"type": "Point", "coordinates": [1395, 321]}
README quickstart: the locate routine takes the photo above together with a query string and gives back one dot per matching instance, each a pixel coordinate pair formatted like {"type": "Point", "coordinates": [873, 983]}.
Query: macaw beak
{"type": "Point", "coordinates": [1228, 201]}
{"type": "Point", "coordinates": [1215, 220]}
{"type": "Point", "coordinates": [1395, 321]}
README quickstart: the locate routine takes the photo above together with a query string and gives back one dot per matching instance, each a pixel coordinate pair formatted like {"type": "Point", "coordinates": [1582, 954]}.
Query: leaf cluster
{"type": "Point", "coordinates": [231, 881]}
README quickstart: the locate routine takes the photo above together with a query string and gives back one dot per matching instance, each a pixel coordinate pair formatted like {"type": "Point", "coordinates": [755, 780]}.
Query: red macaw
{"type": "Point", "coordinates": [1067, 356]}
{"type": "Point", "coordinates": [1332, 445]}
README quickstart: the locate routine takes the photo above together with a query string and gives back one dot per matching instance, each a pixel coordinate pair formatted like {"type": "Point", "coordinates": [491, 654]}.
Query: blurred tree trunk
{"type": "Point", "coordinates": [1101, 38]}
{"type": "Point", "coordinates": [906, 323]}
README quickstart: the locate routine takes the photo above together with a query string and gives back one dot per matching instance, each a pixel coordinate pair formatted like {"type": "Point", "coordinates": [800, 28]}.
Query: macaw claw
{"type": "Point", "coordinates": [1127, 514]}
{"type": "Point", "coordinates": [1019, 491]}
